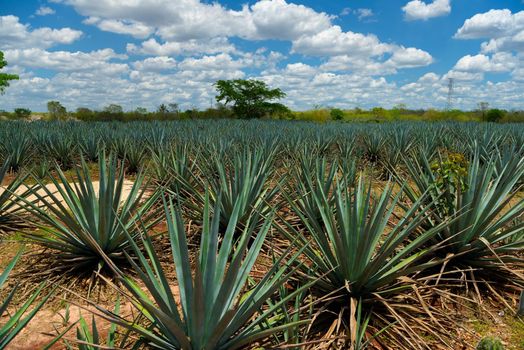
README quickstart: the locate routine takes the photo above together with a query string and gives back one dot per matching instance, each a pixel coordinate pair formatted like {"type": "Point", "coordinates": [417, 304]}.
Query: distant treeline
{"type": "Point", "coordinates": [115, 112]}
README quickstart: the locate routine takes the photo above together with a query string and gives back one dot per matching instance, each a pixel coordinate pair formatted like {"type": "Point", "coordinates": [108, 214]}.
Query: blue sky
{"type": "Point", "coordinates": [346, 53]}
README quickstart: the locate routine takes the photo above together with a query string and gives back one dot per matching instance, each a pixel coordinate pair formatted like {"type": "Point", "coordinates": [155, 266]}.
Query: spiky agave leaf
{"type": "Point", "coordinates": [13, 323]}
{"type": "Point", "coordinates": [17, 151]}
{"type": "Point", "coordinates": [360, 251]}
{"type": "Point", "coordinates": [242, 181]}
{"type": "Point", "coordinates": [484, 234]}
{"type": "Point", "coordinates": [354, 247]}
{"type": "Point", "coordinates": [12, 197]}
{"type": "Point", "coordinates": [213, 309]}
{"type": "Point", "coordinates": [62, 149]}
{"type": "Point", "coordinates": [76, 219]}
{"type": "Point", "coordinates": [318, 175]}
{"type": "Point", "coordinates": [176, 170]}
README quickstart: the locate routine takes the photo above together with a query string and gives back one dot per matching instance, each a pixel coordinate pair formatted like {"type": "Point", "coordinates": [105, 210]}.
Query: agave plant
{"type": "Point", "coordinates": [77, 220]}
{"type": "Point", "coordinates": [62, 149]}
{"type": "Point", "coordinates": [358, 251]}
{"type": "Point", "coordinates": [213, 308]}
{"type": "Point", "coordinates": [484, 235]}
{"type": "Point", "coordinates": [374, 143]}
{"type": "Point", "coordinates": [90, 147]}
{"type": "Point", "coordinates": [17, 152]}
{"type": "Point", "coordinates": [176, 169]}
{"type": "Point", "coordinates": [12, 198]}
{"type": "Point", "coordinates": [242, 182]}
{"type": "Point", "coordinates": [88, 336]}
{"type": "Point", "coordinates": [320, 176]}
{"type": "Point", "coordinates": [20, 318]}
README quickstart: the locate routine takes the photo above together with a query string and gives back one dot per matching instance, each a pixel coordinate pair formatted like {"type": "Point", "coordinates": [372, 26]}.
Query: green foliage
{"type": "Point", "coordinates": [239, 181]}
{"type": "Point", "coordinates": [351, 251]}
{"type": "Point", "coordinates": [56, 110]}
{"type": "Point", "coordinates": [216, 309]}
{"type": "Point", "coordinates": [22, 113]}
{"type": "Point", "coordinates": [250, 99]}
{"type": "Point", "coordinates": [494, 115]}
{"type": "Point", "coordinates": [478, 198]}
{"type": "Point", "coordinates": [4, 77]}
{"type": "Point", "coordinates": [13, 323]}
{"type": "Point", "coordinates": [88, 337]}
{"type": "Point", "coordinates": [336, 114]}
{"type": "Point", "coordinates": [451, 176]}
{"type": "Point", "coordinates": [490, 343]}
{"type": "Point", "coordinates": [89, 224]}
{"type": "Point", "coordinates": [12, 217]}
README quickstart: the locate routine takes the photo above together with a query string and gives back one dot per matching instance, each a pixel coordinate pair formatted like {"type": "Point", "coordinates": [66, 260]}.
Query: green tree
{"type": "Point", "coordinates": [336, 114]}
{"type": "Point", "coordinates": [250, 98]}
{"type": "Point", "coordinates": [113, 108]}
{"type": "Point", "coordinates": [494, 115]}
{"type": "Point", "coordinates": [56, 110]}
{"type": "Point", "coordinates": [83, 113]}
{"type": "Point", "coordinates": [4, 77]}
{"type": "Point", "coordinates": [141, 110]}
{"type": "Point", "coordinates": [22, 113]}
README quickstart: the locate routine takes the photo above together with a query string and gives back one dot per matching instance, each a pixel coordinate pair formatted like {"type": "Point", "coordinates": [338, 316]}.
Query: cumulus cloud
{"type": "Point", "coordinates": [503, 29]}
{"type": "Point", "coordinates": [491, 24]}
{"type": "Point", "coordinates": [193, 19]}
{"type": "Point", "coordinates": [155, 64]}
{"type": "Point", "coordinates": [499, 62]}
{"type": "Point", "coordinates": [130, 27]}
{"type": "Point", "coordinates": [409, 58]}
{"type": "Point", "coordinates": [65, 61]}
{"type": "Point", "coordinates": [14, 34]}
{"type": "Point", "coordinates": [44, 11]}
{"type": "Point", "coordinates": [333, 41]}
{"type": "Point", "coordinates": [153, 47]}
{"type": "Point", "coordinates": [420, 10]}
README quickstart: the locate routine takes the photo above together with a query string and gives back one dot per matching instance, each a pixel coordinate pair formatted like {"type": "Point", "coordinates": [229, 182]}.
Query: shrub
{"type": "Point", "coordinates": [490, 343]}
{"type": "Point", "coordinates": [56, 110]}
{"type": "Point", "coordinates": [22, 113]}
{"type": "Point", "coordinates": [494, 115]}
{"type": "Point", "coordinates": [336, 114]}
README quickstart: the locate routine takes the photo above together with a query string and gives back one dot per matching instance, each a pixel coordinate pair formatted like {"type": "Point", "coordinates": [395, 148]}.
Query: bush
{"type": "Point", "coordinates": [22, 113]}
{"type": "Point", "coordinates": [336, 114]}
{"type": "Point", "coordinates": [494, 115]}
{"type": "Point", "coordinates": [490, 343]}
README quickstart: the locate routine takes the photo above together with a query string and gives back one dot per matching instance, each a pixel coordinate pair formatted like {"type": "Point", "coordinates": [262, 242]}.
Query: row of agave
{"type": "Point", "coordinates": [346, 263]}
{"type": "Point", "coordinates": [38, 145]}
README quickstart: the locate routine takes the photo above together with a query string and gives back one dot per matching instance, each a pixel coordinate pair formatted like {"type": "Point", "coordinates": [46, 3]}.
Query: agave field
{"type": "Point", "coordinates": [230, 234]}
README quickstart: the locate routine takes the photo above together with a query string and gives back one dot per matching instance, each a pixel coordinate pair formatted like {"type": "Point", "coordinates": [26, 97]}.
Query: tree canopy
{"type": "Point", "coordinates": [250, 99]}
{"type": "Point", "coordinates": [4, 77]}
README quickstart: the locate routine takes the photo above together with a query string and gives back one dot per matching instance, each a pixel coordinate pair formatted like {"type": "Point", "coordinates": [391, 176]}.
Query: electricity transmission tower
{"type": "Point", "coordinates": [451, 91]}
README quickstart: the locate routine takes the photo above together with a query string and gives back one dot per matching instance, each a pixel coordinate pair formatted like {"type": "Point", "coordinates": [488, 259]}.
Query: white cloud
{"type": "Point", "coordinates": [155, 64]}
{"type": "Point", "coordinates": [153, 47]}
{"type": "Point", "coordinates": [221, 61]}
{"type": "Point", "coordinates": [420, 10]}
{"type": "Point", "coordinates": [44, 11]}
{"type": "Point", "coordinates": [333, 41]}
{"type": "Point", "coordinates": [14, 34]}
{"type": "Point", "coordinates": [364, 13]}
{"type": "Point", "coordinates": [499, 62]}
{"type": "Point", "coordinates": [65, 61]}
{"type": "Point", "coordinates": [503, 29]}
{"type": "Point", "coordinates": [409, 58]}
{"type": "Point", "coordinates": [191, 19]}
{"type": "Point", "coordinates": [491, 24]}
{"type": "Point", "coordinates": [130, 27]}
{"type": "Point", "coordinates": [276, 19]}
